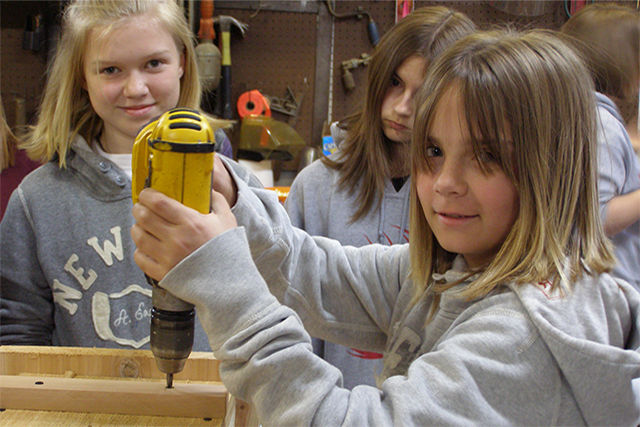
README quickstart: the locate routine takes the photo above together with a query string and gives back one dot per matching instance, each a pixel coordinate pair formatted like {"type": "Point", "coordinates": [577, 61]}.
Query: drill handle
{"type": "Point", "coordinates": [140, 161]}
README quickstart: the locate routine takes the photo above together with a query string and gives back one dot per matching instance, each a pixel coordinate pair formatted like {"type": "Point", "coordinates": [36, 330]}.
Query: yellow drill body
{"type": "Point", "coordinates": [174, 155]}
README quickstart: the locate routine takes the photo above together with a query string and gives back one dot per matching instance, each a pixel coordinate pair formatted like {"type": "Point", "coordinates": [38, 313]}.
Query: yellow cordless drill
{"type": "Point", "coordinates": [174, 155]}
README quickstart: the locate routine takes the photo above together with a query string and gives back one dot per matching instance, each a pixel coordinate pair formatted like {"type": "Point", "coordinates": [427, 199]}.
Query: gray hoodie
{"type": "Point", "coordinates": [317, 204]}
{"type": "Point", "coordinates": [67, 275]}
{"type": "Point", "coordinates": [618, 174]}
{"type": "Point", "coordinates": [520, 356]}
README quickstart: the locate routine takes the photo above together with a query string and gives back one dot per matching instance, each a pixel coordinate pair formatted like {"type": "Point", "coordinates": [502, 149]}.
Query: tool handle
{"type": "Point", "coordinates": [206, 8]}
{"type": "Point", "coordinates": [374, 36]}
{"type": "Point", "coordinates": [226, 95]}
{"type": "Point", "coordinates": [206, 31]}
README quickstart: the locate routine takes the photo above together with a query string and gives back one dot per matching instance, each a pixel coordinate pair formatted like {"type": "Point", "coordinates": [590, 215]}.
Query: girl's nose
{"type": "Point", "coordinates": [135, 85]}
{"type": "Point", "coordinates": [404, 105]}
{"type": "Point", "coordinates": [450, 179]}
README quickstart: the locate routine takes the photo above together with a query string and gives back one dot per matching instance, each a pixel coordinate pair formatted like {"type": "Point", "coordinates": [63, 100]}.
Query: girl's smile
{"type": "Point", "coordinates": [140, 110]}
{"type": "Point", "coordinates": [453, 219]}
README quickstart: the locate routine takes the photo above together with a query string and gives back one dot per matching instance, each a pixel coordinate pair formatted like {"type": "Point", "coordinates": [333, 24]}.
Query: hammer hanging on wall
{"type": "Point", "coordinates": [225, 23]}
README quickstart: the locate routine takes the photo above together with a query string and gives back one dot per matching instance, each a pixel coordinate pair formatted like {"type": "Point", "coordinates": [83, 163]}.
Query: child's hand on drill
{"type": "Point", "coordinates": [166, 231]}
{"type": "Point", "coordinates": [223, 183]}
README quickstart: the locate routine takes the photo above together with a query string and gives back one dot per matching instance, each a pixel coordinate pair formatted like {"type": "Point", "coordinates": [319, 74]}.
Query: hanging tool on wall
{"type": "Point", "coordinates": [289, 105]}
{"type": "Point", "coordinates": [207, 53]}
{"type": "Point", "coordinates": [34, 35]}
{"type": "Point", "coordinates": [359, 13]}
{"type": "Point", "coordinates": [226, 22]}
{"type": "Point", "coordinates": [403, 8]}
{"type": "Point", "coordinates": [253, 102]}
{"type": "Point", "coordinates": [350, 64]}
{"type": "Point", "coordinates": [571, 7]}
{"type": "Point", "coordinates": [261, 136]}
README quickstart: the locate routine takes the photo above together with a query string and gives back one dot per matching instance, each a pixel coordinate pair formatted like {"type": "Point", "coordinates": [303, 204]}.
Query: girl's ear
{"type": "Point", "coordinates": [83, 78]}
{"type": "Point", "coordinates": [182, 62]}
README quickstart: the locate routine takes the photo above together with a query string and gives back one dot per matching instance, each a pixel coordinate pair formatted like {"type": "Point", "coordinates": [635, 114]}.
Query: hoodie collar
{"type": "Point", "coordinates": [594, 336]}
{"type": "Point", "coordinates": [606, 103]}
{"type": "Point", "coordinates": [104, 179]}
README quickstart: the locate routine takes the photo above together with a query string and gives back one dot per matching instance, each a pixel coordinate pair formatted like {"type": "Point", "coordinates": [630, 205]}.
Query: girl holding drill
{"type": "Point", "coordinates": [500, 309]}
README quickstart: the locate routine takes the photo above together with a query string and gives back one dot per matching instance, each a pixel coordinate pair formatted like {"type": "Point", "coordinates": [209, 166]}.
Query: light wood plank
{"type": "Point", "coordinates": [19, 418]}
{"type": "Point", "coordinates": [112, 396]}
{"type": "Point", "coordinates": [100, 362]}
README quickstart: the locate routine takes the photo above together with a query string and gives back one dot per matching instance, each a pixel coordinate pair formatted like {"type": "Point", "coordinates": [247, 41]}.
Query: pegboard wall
{"type": "Point", "coordinates": [22, 70]}
{"type": "Point", "coordinates": [291, 48]}
{"type": "Point", "coordinates": [276, 55]}
{"type": "Point", "coordinates": [351, 39]}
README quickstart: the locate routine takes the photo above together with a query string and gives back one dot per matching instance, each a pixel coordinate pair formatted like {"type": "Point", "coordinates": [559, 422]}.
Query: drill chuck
{"type": "Point", "coordinates": [172, 327]}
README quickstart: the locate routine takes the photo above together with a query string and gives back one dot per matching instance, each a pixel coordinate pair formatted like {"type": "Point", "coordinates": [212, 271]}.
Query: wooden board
{"type": "Point", "coordinates": [19, 418]}
{"type": "Point", "coordinates": [112, 396]}
{"type": "Point", "coordinates": [100, 362]}
{"type": "Point", "coordinates": [94, 386]}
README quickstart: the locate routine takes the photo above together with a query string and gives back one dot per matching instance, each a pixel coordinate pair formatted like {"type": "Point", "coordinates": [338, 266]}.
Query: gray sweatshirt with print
{"type": "Point", "coordinates": [67, 275]}
{"type": "Point", "coordinates": [521, 356]}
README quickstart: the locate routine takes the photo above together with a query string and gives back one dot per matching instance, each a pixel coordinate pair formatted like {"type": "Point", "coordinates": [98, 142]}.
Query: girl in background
{"type": "Point", "coordinates": [499, 311]}
{"type": "Point", "coordinates": [14, 163]}
{"type": "Point", "coordinates": [360, 195]}
{"type": "Point", "coordinates": [608, 38]}
{"type": "Point", "coordinates": [608, 35]}
{"type": "Point", "coordinates": [67, 273]}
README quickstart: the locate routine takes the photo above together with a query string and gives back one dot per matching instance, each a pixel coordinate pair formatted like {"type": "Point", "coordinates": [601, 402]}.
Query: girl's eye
{"type": "Point", "coordinates": [395, 81]}
{"type": "Point", "coordinates": [109, 70]}
{"type": "Point", "coordinates": [433, 151]}
{"type": "Point", "coordinates": [154, 63]}
{"type": "Point", "coordinates": [486, 157]}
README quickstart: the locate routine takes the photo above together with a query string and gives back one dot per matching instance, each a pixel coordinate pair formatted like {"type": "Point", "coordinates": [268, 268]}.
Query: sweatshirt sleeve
{"type": "Point", "coordinates": [342, 294]}
{"type": "Point", "coordinates": [481, 372]}
{"type": "Point", "coordinates": [26, 300]}
{"type": "Point", "coordinates": [255, 338]}
{"type": "Point", "coordinates": [613, 143]}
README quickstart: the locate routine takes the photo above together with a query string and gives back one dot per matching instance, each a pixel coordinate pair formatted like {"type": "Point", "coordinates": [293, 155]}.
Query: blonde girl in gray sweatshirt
{"type": "Point", "coordinates": [67, 275]}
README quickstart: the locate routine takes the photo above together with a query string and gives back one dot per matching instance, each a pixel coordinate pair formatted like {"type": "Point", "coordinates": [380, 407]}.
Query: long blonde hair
{"type": "Point", "coordinates": [532, 86]}
{"type": "Point", "coordinates": [8, 141]}
{"type": "Point", "coordinates": [65, 110]}
{"type": "Point", "coordinates": [365, 154]}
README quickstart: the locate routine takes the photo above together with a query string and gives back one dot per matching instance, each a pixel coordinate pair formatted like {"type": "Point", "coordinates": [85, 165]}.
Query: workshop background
{"type": "Point", "coordinates": [309, 58]}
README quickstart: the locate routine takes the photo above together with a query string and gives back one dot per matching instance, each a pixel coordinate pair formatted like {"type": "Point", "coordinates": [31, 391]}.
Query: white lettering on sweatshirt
{"type": "Point", "coordinates": [63, 293]}
{"type": "Point", "coordinates": [109, 248]}
{"type": "Point", "coordinates": [77, 272]}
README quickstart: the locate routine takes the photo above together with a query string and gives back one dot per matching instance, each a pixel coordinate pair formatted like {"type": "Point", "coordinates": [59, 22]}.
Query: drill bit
{"type": "Point", "coordinates": [169, 380]}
